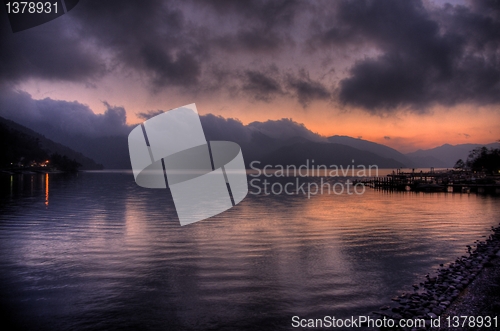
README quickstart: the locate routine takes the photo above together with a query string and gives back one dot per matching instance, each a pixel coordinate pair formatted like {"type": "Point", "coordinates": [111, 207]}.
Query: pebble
{"type": "Point", "coordinates": [433, 296]}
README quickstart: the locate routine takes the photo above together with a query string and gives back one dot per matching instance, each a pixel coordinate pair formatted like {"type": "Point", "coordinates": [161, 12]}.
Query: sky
{"type": "Point", "coordinates": [407, 74]}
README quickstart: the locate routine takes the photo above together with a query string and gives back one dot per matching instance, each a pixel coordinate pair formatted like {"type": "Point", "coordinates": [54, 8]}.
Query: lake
{"type": "Point", "coordinates": [93, 251]}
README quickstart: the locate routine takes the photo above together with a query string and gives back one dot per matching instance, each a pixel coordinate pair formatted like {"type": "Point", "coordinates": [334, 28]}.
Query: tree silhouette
{"type": "Point", "coordinates": [460, 164]}
{"type": "Point", "coordinates": [484, 159]}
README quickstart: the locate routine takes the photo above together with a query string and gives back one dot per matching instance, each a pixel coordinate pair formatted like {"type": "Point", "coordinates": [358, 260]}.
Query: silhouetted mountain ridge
{"type": "Point", "coordinates": [265, 141]}
{"type": "Point", "coordinates": [326, 154]}
{"type": "Point", "coordinates": [445, 156]}
{"type": "Point", "coordinates": [24, 142]}
{"type": "Point", "coordinates": [379, 149]}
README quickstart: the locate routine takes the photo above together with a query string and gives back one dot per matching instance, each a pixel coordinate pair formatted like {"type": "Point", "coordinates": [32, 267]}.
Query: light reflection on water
{"type": "Point", "coordinates": [95, 251]}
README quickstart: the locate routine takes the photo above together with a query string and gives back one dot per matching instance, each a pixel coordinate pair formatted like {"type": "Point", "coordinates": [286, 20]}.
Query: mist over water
{"type": "Point", "coordinates": [95, 251]}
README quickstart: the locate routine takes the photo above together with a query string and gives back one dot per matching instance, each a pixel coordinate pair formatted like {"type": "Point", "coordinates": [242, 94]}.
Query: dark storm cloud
{"type": "Point", "coordinates": [72, 123]}
{"type": "Point", "coordinates": [285, 128]}
{"type": "Point", "coordinates": [165, 70]}
{"type": "Point", "coordinates": [151, 37]}
{"type": "Point", "coordinates": [262, 86]}
{"type": "Point", "coordinates": [175, 43]}
{"type": "Point", "coordinates": [215, 127]}
{"type": "Point", "coordinates": [220, 128]}
{"type": "Point", "coordinates": [307, 89]}
{"type": "Point", "coordinates": [251, 40]}
{"type": "Point", "coordinates": [148, 114]}
{"type": "Point", "coordinates": [49, 51]}
{"type": "Point", "coordinates": [263, 26]}
{"type": "Point", "coordinates": [48, 116]}
{"type": "Point", "coordinates": [268, 14]}
{"type": "Point", "coordinates": [443, 57]}
{"type": "Point", "coordinates": [420, 55]}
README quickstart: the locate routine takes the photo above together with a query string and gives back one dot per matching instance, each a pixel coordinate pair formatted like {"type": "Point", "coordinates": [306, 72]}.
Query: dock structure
{"type": "Point", "coordinates": [451, 181]}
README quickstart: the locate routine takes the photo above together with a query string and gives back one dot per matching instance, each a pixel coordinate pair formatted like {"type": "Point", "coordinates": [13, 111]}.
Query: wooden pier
{"type": "Point", "coordinates": [451, 181]}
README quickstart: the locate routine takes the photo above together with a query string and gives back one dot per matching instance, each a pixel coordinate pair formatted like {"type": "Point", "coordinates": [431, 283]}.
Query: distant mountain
{"type": "Point", "coordinates": [264, 141]}
{"type": "Point", "coordinates": [372, 147]}
{"type": "Point", "coordinates": [261, 145]}
{"type": "Point", "coordinates": [326, 154]}
{"type": "Point", "coordinates": [18, 141]}
{"type": "Point", "coordinates": [258, 146]}
{"type": "Point", "coordinates": [445, 156]}
{"type": "Point", "coordinates": [428, 162]}
{"type": "Point", "coordinates": [112, 151]}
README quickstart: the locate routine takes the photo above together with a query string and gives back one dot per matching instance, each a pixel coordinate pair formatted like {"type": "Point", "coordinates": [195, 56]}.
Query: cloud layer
{"type": "Point", "coordinates": [411, 55]}
{"type": "Point", "coordinates": [57, 118]}
{"type": "Point", "coordinates": [65, 121]}
{"type": "Point", "coordinates": [446, 56]}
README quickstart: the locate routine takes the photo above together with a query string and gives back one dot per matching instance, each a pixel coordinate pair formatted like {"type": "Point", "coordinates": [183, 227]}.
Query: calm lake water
{"type": "Point", "coordinates": [94, 251]}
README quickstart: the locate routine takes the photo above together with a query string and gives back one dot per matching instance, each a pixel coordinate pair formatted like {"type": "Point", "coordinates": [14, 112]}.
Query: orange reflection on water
{"type": "Point", "coordinates": [47, 189]}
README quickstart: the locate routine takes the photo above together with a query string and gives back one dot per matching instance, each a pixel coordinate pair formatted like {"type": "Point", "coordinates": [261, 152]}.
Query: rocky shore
{"type": "Point", "coordinates": [470, 286]}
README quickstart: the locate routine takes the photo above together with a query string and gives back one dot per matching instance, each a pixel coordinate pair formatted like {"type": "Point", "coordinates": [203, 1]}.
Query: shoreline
{"type": "Point", "coordinates": [468, 286]}
{"type": "Point", "coordinates": [33, 171]}
{"type": "Point", "coordinates": [480, 298]}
